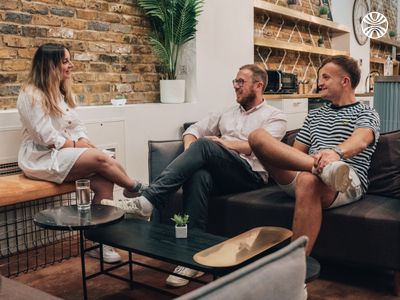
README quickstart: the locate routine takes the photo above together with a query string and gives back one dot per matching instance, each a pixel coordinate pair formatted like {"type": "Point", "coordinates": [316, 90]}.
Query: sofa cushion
{"type": "Point", "coordinates": [384, 173]}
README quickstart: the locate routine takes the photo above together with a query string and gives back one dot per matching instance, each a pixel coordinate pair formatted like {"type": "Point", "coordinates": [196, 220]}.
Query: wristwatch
{"type": "Point", "coordinates": [338, 151]}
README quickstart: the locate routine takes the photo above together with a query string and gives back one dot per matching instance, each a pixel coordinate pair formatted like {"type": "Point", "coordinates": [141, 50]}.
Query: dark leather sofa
{"type": "Point", "coordinates": [363, 233]}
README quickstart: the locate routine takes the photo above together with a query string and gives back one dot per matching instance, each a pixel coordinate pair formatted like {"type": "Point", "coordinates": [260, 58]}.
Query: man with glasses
{"type": "Point", "coordinates": [217, 158]}
{"type": "Point", "coordinates": [328, 164]}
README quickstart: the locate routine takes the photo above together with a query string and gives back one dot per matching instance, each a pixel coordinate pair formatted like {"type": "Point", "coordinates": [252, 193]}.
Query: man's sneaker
{"type": "Point", "coordinates": [140, 207]}
{"type": "Point", "coordinates": [336, 176]}
{"type": "Point", "coordinates": [179, 281]}
{"type": "Point", "coordinates": [136, 191]}
{"type": "Point", "coordinates": [109, 254]}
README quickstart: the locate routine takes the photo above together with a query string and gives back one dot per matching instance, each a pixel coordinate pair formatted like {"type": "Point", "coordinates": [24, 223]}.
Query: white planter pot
{"type": "Point", "coordinates": [181, 232]}
{"type": "Point", "coordinates": [172, 91]}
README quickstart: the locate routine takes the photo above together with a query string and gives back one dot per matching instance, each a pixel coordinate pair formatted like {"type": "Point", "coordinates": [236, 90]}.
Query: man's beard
{"type": "Point", "coordinates": [247, 101]}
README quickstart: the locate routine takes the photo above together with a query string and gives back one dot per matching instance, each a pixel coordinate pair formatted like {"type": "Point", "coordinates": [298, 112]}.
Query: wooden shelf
{"type": "Point", "coordinates": [309, 96]}
{"type": "Point", "coordinates": [382, 61]}
{"type": "Point", "coordinates": [386, 41]}
{"type": "Point", "coordinates": [271, 43]}
{"type": "Point", "coordinates": [292, 14]}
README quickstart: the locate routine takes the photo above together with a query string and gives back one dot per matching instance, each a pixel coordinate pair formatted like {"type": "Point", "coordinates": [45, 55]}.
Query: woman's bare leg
{"type": "Point", "coordinates": [94, 161]}
{"type": "Point", "coordinates": [102, 188]}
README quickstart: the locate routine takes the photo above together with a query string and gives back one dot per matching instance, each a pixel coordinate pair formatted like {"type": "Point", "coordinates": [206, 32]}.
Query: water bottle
{"type": "Point", "coordinates": [388, 67]}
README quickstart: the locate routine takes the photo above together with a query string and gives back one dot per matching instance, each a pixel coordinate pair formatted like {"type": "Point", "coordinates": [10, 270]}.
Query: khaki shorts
{"type": "Point", "coordinates": [353, 193]}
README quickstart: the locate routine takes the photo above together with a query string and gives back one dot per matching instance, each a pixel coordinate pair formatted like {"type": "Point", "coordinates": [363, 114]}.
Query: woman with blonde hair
{"type": "Point", "coordinates": [55, 146]}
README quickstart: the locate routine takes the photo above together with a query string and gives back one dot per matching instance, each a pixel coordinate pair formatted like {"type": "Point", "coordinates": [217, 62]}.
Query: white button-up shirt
{"type": "Point", "coordinates": [41, 131]}
{"type": "Point", "coordinates": [235, 124]}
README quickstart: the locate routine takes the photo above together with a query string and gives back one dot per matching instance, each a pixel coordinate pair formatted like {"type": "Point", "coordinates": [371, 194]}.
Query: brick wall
{"type": "Point", "coordinates": [107, 39]}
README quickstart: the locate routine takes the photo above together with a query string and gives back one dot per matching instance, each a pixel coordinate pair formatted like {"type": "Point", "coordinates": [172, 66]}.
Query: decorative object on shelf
{"type": "Point", "coordinates": [181, 222]}
{"type": "Point", "coordinates": [327, 4]}
{"type": "Point", "coordinates": [294, 4]}
{"type": "Point", "coordinates": [321, 41]}
{"type": "Point", "coordinates": [392, 34]}
{"type": "Point", "coordinates": [174, 24]}
{"type": "Point", "coordinates": [323, 11]}
{"type": "Point", "coordinates": [118, 100]}
{"type": "Point", "coordinates": [360, 9]}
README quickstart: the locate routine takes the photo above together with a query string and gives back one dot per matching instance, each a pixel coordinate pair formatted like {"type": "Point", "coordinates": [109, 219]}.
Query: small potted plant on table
{"type": "Point", "coordinates": [180, 225]}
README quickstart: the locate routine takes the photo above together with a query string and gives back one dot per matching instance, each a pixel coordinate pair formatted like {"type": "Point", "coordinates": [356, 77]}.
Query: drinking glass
{"type": "Point", "coordinates": [83, 200]}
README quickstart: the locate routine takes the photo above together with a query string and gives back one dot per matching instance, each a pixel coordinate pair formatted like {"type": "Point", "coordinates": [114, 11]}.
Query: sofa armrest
{"type": "Point", "coordinates": [280, 275]}
{"type": "Point", "coordinates": [161, 153]}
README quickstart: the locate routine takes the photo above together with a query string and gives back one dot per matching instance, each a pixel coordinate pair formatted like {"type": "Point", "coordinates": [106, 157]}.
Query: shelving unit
{"type": "Point", "coordinates": [380, 48]}
{"type": "Point", "coordinates": [271, 43]}
{"type": "Point", "coordinates": [287, 40]}
{"type": "Point", "coordinates": [291, 14]}
{"type": "Point", "coordinates": [299, 18]}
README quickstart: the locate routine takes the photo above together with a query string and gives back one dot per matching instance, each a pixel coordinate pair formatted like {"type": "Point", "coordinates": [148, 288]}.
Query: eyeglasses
{"type": "Point", "coordinates": [241, 82]}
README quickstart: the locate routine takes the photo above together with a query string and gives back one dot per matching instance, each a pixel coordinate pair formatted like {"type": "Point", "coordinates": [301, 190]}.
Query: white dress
{"type": "Point", "coordinates": [40, 131]}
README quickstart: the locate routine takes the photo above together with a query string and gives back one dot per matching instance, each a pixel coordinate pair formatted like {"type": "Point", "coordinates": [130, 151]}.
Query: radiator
{"type": "Point", "coordinates": [387, 103]}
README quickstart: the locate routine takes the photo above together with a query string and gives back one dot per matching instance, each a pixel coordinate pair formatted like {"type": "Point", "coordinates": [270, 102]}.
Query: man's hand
{"type": "Point", "coordinates": [218, 140]}
{"type": "Point", "coordinates": [323, 158]}
{"type": "Point", "coordinates": [188, 139]}
{"type": "Point", "coordinates": [241, 147]}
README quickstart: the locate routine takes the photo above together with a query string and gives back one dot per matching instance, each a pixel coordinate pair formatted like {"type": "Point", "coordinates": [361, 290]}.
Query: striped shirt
{"type": "Point", "coordinates": [331, 125]}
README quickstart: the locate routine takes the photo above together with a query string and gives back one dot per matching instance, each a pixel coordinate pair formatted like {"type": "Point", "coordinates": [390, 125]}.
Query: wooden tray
{"type": "Point", "coordinates": [242, 247]}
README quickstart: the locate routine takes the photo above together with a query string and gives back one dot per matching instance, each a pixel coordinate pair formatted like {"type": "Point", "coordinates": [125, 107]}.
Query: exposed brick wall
{"type": "Point", "coordinates": [307, 64]}
{"type": "Point", "coordinates": [107, 39]}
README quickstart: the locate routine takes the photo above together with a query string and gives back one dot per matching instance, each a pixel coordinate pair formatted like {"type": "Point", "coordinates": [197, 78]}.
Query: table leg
{"type": "Point", "coordinates": [82, 249]}
{"type": "Point", "coordinates": [130, 270]}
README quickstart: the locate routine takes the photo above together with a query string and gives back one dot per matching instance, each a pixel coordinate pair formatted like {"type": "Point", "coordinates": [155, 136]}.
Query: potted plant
{"type": "Point", "coordinates": [118, 100]}
{"type": "Point", "coordinates": [392, 34]}
{"type": "Point", "coordinates": [323, 12]}
{"type": "Point", "coordinates": [321, 41]}
{"type": "Point", "coordinates": [180, 225]}
{"type": "Point", "coordinates": [173, 24]}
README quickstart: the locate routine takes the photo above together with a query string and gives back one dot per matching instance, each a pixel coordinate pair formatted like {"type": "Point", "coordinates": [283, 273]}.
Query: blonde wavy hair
{"type": "Point", "coordinates": [45, 75]}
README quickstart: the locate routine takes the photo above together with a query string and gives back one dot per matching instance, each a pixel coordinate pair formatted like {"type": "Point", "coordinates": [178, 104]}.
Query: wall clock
{"type": "Point", "coordinates": [360, 9]}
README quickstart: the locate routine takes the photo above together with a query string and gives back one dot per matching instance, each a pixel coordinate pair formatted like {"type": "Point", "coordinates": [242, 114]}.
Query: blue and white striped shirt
{"type": "Point", "coordinates": [331, 125]}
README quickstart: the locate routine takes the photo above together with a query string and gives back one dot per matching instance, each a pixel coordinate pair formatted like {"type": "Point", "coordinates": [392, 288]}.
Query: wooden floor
{"type": "Point", "coordinates": [64, 280]}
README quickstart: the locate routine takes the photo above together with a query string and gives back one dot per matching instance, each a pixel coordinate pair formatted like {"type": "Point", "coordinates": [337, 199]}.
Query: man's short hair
{"type": "Point", "coordinates": [348, 64]}
{"type": "Point", "coordinates": [259, 74]}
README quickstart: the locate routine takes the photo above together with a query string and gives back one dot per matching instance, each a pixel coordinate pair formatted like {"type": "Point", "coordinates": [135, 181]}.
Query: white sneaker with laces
{"type": "Point", "coordinates": [140, 207]}
{"type": "Point", "coordinates": [336, 176]}
{"type": "Point", "coordinates": [110, 256]}
{"type": "Point", "coordinates": [137, 191]}
{"type": "Point", "coordinates": [179, 281]}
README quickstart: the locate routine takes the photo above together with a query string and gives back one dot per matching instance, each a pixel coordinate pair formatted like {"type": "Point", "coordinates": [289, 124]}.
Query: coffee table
{"type": "Point", "coordinates": [158, 241]}
{"type": "Point", "coordinates": [69, 218]}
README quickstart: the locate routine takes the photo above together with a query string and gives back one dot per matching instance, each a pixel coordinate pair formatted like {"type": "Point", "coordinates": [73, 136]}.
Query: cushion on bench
{"type": "Point", "coordinates": [18, 188]}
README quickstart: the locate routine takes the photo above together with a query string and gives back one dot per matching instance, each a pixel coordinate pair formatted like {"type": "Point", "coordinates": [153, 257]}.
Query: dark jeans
{"type": "Point", "coordinates": [205, 168]}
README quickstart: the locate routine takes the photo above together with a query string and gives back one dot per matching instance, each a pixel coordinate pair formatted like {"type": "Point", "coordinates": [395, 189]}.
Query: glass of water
{"type": "Point", "coordinates": [83, 200]}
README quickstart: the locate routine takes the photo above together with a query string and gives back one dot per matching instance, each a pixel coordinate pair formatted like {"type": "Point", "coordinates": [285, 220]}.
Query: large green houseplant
{"type": "Point", "coordinates": [173, 24]}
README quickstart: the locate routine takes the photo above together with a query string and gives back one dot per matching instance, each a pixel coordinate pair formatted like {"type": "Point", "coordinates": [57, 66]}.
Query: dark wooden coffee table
{"type": "Point", "coordinates": [158, 241]}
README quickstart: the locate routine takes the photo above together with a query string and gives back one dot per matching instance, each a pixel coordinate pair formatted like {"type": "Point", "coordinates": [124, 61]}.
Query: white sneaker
{"type": "Point", "coordinates": [109, 254]}
{"type": "Point", "coordinates": [139, 206]}
{"type": "Point", "coordinates": [179, 281]}
{"type": "Point", "coordinates": [336, 176]}
{"type": "Point", "coordinates": [137, 191]}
